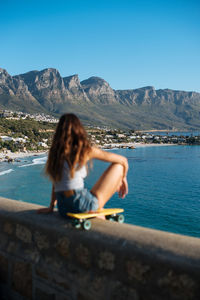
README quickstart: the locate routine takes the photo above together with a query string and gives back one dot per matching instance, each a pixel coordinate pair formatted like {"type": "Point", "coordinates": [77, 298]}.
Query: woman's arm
{"type": "Point", "coordinates": [52, 204]}
{"type": "Point", "coordinates": [97, 153]}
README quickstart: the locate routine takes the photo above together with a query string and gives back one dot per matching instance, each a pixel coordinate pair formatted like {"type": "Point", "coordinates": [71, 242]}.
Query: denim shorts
{"type": "Point", "coordinates": [82, 201]}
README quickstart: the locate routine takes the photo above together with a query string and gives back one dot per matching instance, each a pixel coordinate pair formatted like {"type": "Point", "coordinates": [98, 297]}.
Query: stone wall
{"type": "Point", "coordinates": [44, 257]}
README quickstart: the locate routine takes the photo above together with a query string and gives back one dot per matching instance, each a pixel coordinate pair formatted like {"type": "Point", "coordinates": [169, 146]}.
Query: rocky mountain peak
{"type": "Point", "coordinates": [93, 100]}
{"type": "Point", "coordinates": [149, 88]}
{"type": "Point", "coordinates": [7, 84]}
{"type": "Point", "coordinates": [50, 70]}
{"type": "Point", "coordinates": [50, 74]}
{"type": "Point", "coordinates": [94, 82]}
{"type": "Point", "coordinates": [3, 72]}
{"type": "Point", "coordinates": [4, 76]}
{"type": "Point", "coordinates": [73, 85]}
{"type": "Point", "coordinates": [45, 80]}
{"type": "Point", "coordinates": [98, 90]}
{"type": "Point", "coordinates": [72, 81]}
{"type": "Point", "coordinates": [146, 93]}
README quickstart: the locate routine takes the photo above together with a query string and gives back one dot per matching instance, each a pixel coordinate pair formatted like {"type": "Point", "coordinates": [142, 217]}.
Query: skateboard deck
{"type": "Point", "coordinates": [82, 219]}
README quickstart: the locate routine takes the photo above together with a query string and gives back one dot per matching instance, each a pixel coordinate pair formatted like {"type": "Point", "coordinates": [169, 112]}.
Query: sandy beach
{"type": "Point", "coordinates": [132, 145]}
{"type": "Point", "coordinates": [10, 156]}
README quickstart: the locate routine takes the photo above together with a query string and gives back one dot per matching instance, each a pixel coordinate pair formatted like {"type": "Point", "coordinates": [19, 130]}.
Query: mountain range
{"type": "Point", "coordinates": [95, 102]}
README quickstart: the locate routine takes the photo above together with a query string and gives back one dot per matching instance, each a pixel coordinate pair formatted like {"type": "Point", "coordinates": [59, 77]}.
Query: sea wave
{"type": "Point", "coordinates": [6, 172]}
{"type": "Point", "coordinates": [36, 161]}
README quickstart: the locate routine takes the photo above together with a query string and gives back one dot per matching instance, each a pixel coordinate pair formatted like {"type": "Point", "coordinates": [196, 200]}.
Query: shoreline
{"type": "Point", "coordinates": [9, 156]}
{"type": "Point", "coordinates": [132, 145]}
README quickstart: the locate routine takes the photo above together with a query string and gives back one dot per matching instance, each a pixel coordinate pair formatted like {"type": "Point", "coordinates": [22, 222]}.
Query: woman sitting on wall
{"type": "Point", "coordinates": [67, 167]}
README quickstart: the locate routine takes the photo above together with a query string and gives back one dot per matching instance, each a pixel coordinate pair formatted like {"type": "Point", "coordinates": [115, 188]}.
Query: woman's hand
{"type": "Point", "coordinates": [123, 189]}
{"type": "Point", "coordinates": [45, 210]}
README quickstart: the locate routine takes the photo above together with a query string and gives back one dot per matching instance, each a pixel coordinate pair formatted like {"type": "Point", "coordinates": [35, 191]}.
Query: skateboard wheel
{"type": "Point", "coordinates": [86, 225]}
{"type": "Point", "coordinates": [76, 224]}
{"type": "Point", "coordinates": [120, 218]}
{"type": "Point", "coordinates": [110, 218]}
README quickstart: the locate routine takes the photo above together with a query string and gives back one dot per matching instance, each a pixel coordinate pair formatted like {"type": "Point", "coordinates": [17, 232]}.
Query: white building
{"type": "Point", "coordinates": [42, 144]}
{"type": "Point", "coordinates": [6, 138]}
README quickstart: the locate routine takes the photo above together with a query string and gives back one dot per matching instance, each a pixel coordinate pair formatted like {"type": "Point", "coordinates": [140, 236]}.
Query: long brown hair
{"type": "Point", "coordinates": [70, 143]}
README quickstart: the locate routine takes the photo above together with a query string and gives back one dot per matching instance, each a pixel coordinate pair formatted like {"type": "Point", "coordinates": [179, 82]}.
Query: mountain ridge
{"type": "Point", "coordinates": [95, 102]}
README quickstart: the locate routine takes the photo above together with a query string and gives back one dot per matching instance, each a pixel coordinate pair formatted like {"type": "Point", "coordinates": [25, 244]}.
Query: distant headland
{"type": "Point", "coordinates": [23, 134]}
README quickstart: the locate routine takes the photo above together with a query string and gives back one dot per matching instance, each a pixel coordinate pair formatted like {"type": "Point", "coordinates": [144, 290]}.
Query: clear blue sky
{"type": "Point", "coordinates": [129, 43]}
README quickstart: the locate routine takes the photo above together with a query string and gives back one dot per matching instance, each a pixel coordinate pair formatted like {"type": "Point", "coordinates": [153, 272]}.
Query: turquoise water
{"type": "Point", "coordinates": [163, 182]}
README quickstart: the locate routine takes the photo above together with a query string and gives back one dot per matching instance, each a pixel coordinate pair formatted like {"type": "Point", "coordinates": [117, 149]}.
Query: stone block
{"type": "Point", "coordinates": [83, 256]}
{"type": "Point", "coordinates": [106, 261]}
{"type": "Point", "coordinates": [120, 291]}
{"type": "Point", "coordinates": [53, 262]}
{"type": "Point", "coordinates": [137, 270]}
{"type": "Point", "coordinates": [81, 296]}
{"type": "Point", "coordinates": [8, 228]}
{"type": "Point", "coordinates": [62, 282]}
{"type": "Point", "coordinates": [32, 254]}
{"type": "Point", "coordinates": [13, 247]}
{"type": "Point", "coordinates": [22, 279]}
{"type": "Point", "coordinates": [4, 238]}
{"type": "Point", "coordinates": [3, 269]}
{"type": "Point", "coordinates": [43, 295]}
{"type": "Point", "coordinates": [23, 233]}
{"type": "Point", "coordinates": [125, 293]}
{"type": "Point", "coordinates": [83, 279]}
{"type": "Point", "coordinates": [97, 286]}
{"type": "Point", "coordinates": [53, 278]}
{"type": "Point", "coordinates": [41, 273]}
{"type": "Point", "coordinates": [41, 240]}
{"type": "Point", "coordinates": [62, 247]}
{"type": "Point", "coordinates": [98, 283]}
{"type": "Point", "coordinates": [179, 286]}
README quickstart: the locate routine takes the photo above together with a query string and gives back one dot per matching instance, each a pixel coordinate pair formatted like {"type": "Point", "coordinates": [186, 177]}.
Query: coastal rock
{"type": "Point", "coordinates": [10, 160]}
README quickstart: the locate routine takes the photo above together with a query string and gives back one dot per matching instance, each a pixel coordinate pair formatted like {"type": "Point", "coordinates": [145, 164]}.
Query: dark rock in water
{"type": "Point", "coordinates": [10, 160]}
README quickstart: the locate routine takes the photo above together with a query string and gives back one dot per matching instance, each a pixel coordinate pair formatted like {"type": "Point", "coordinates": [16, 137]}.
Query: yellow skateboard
{"type": "Point", "coordinates": [82, 219]}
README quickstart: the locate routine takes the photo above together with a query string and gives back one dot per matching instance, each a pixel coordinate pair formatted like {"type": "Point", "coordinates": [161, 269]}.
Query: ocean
{"type": "Point", "coordinates": [163, 182]}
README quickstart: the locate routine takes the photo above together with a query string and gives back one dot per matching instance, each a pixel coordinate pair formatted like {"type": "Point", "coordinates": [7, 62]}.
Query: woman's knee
{"type": "Point", "coordinates": [119, 169]}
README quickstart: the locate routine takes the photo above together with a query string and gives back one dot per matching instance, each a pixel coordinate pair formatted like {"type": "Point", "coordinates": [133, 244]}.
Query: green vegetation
{"type": "Point", "coordinates": [32, 131]}
{"type": "Point", "coordinates": [25, 127]}
{"type": "Point", "coordinates": [29, 134]}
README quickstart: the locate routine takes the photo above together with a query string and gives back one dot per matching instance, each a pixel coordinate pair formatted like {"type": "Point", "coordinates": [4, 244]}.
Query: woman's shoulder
{"type": "Point", "coordinates": [94, 151]}
{"type": "Point", "coordinates": [98, 153]}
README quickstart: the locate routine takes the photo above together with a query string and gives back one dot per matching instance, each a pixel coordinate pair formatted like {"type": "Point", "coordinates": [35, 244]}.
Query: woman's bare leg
{"type": "Point", "coordinates": [108, 183]}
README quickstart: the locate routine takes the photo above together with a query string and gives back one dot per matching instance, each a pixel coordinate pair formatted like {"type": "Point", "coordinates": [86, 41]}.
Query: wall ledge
{"type": "Point", "coordinates": [135, 259]}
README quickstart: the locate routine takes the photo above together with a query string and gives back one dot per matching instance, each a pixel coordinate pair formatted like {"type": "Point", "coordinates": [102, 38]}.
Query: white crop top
{"type": "Point", "coordinates": [67, 183]}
